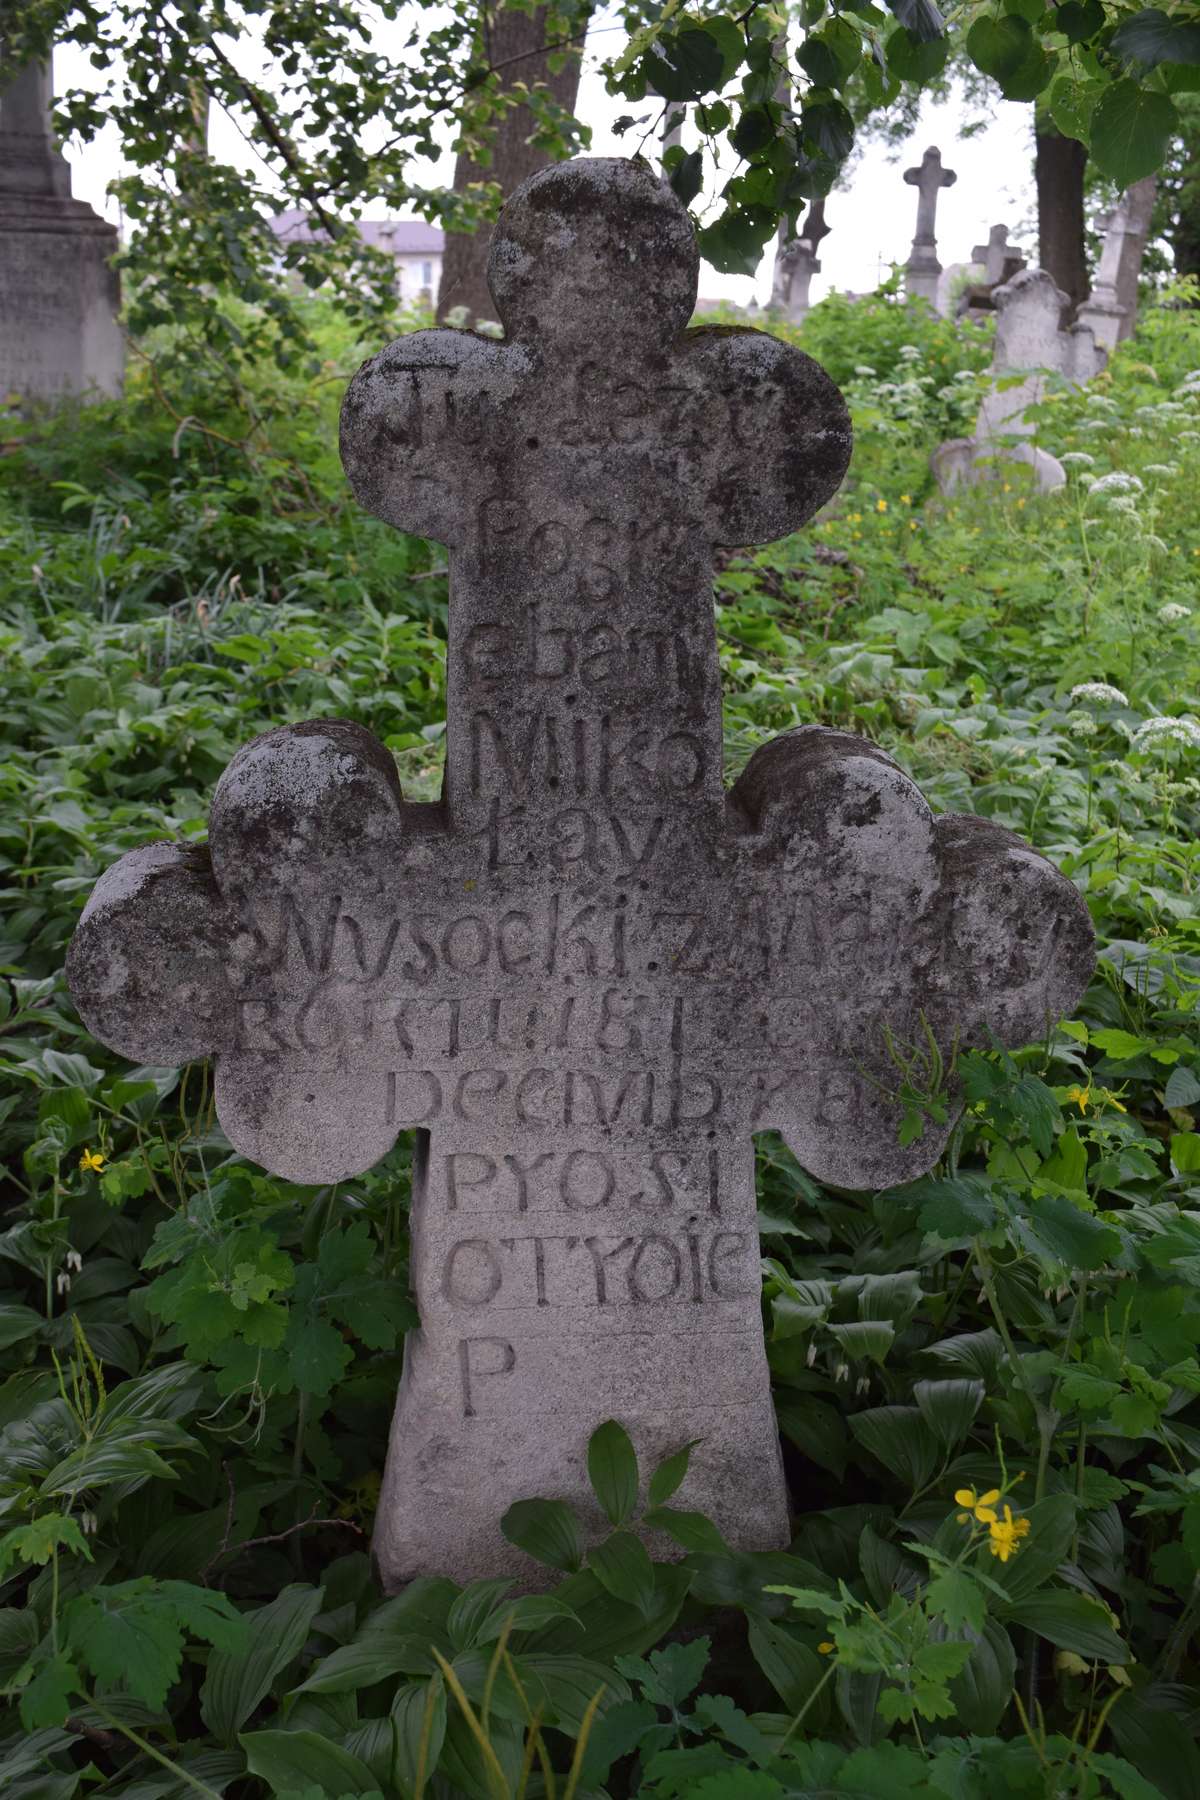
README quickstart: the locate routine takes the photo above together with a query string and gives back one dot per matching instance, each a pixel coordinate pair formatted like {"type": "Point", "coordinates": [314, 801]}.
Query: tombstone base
{"type": "Point", "coordinates": [969, 462]}
{"type": "Point", "coordinates": [500, 1407]}
{"type": "Point", "coordinates": [59, 300]}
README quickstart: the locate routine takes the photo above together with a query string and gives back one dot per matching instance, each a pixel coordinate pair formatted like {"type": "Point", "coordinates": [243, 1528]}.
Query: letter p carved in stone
{"type": "Point", "coordinates": [587, 1041]}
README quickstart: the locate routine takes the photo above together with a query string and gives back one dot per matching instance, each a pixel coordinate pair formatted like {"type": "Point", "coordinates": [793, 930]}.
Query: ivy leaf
{"type": "Point", "coordinates": [1131, 128]}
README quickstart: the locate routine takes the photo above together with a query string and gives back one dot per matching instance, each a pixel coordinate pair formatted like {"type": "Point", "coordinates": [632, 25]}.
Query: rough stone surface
{"type": "Point", "coordinates": [59, 297]}
{"type": "Point", "coordinates": [590, 974]}
{"type": "Point", "coordinates": [1110, 310]}
{"type": "Point", "coordinates": [1029, 343]}
{"type": "Point", "coordinates": [923, 268]}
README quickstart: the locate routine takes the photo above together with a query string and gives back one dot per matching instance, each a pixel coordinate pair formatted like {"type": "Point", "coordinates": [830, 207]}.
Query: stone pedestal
{"type": "Point", "coordinates": [59, 294]}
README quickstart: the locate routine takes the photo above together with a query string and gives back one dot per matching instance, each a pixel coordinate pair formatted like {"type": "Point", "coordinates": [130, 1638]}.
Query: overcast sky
{"type": "Point", "coordinates": [871, 222]}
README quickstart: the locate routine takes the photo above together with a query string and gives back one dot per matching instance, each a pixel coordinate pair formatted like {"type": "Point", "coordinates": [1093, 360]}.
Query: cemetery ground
{"type": "Point", "coordinates": [987, 1381]}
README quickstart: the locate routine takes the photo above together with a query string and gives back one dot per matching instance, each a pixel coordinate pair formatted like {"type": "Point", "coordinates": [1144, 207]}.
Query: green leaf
{"type": "Point", "coordinates": [687, 176]}
{"type": "Point", "coordinates": [685, 65]}
{"type": "Point", "coordinates": [1072, 1622]}
{"type": "Point", "coordinates": [921, 17]}
{"type": "Point", "coordinates": [1007, 50]}
{"type": "Point", "coordinates": [528, 1612]}
{"type": "Point", "coordinates": [793, 1670]}
{"type": "Point", "coordinates": [238, 1680]}
{"type": "Point", "coordinates": [132, 1635]}
{"type": "Point", "coordinates": [1131, 129]}
{"type": "Point", "coordinates": [1182, 1089]}
{"type": "Point", "coordinates": [1057, 1231]}
{"type": "Point", "coordinates": [670, 1474]}
{"type": "Point", "coordinates": [17, 1322]}
{"type": "Point", "coordinates": [829, 126]}
{"type": "Point", "coordinates": [815, 1427]}
{"type": "Point", "coordinates": [901, 1440]}
{"type": "Point", "coordinates": [37, 1541]}
{"type": "Point", "coordinates": [1151, 37]}
{"type": "Point", "coordinates": [690, 1530]}
{"type": "Point", "coordinates": [670, 1674]}
{"type": "Point", "coordinates": [46, 1700]}
{"type": "Point", "coordinates": [949, 1407]}
{"type": "Point", "coordinates": [910, 58]}
{"type": "Point", "coordinates": [1185, 1152]}
{"type": "Point", "coordinates": [613, 1471]}
{"type": "Point", "coordinates": [547, 1530]}
{"type": "Point", "coordinates": [419, 1719]}
{"type": "Point", "coordinates": [622, 1564]}
{"type": "Point", "coordinates": [982, 1693]}
{"type": "Point", "coordinates": [1079, 23]}
{"type": "Point", "coordinates": [871, 1338]}
{"type": "Point", "coordinates": [288, 1760]}
{"type": "Point", "coordinates": [617, 1732]}
{"type": "Point", "coordinates": [953, 1208]}
{"type": "Point", "coordinates": [956, 1598]}
{"type": "Point", "coordinates": [734, 243]}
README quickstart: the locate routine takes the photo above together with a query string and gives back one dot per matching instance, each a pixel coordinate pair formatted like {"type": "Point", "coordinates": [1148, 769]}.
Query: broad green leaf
{"type": "Point", "coordinates": [46, 1700]}
{"type": "Point", "coordinates": [237, 1681]}
{"type": "Point", "coordinates": [921, 17]}
{"type": "Point", "coordinates": [476, 1603]}
{"type": "Point", "coordinates": [954, 1207]}
{"type": "Point", "coordinates": [1079, 22]}
{"type": "Point", "coordinates": [1152, 37]}
{"type": "Point", "coordinates": [901, 1440]}
{"type": "Point", "coordinates": [1131, 128]}
{"type": "Point", "coordinates": [669, 1476]}
{"type": "Point", "coordinates": [290, 1760]}
{"type": "Point", "coordinates": [616, 1733]}
{"type": "Point", "coordinates": [949, 1407]}
{"type": "Point", "coordinates": [528, 1612]}
{"type": "Point", "coordinates": [547, 1530]}
{"type": "Point", "coordinates": [1057, 1231]}
{"type": "Point", "coordinates": [613, 1471]}
{"type": "Point", "coordinates": [1072, 1621]}
{"type": "Point", "coordinates": [982, 1692]}
{"type": "Point", "coordinates": [910, 58]}
{"type": "Point", "coordinates": [793, 1670]}
{"type": "Point", "coordinates": [132, 1635]}
{"type": "Point", "coordinates": [419, 1716]}
{"type": "Point", "coordinates": [1007, 50]}
{"type": "Point", "coordinates": [1182, 1089]}
{"type": "Point", "coordinates": [622, 1563]}
{"type": "Point", "coordinates": [1185, 1152]}
{"type": "Point", "coordinates": [690, 1530]}
{"type": "Point", "coordinates": [17, 1322]}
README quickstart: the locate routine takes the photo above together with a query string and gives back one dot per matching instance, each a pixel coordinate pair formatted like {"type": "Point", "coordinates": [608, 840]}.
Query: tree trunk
{"type": "Point", "coordinates": [507, 34]}
{"type": "Point", "coordinates": [1058, 168]}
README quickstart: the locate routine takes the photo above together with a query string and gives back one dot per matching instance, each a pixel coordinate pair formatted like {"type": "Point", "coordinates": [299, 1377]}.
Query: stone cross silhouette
{"type": "Point", "coordinates": [590, 974]}
{"type": "Point", "coordinates": [929, 177]}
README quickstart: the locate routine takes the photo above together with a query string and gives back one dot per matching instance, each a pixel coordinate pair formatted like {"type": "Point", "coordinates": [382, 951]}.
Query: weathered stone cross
{"type": "Point", "coordinates": [591, 973]}
{"type": "Point", "coordinates": [929, 178]}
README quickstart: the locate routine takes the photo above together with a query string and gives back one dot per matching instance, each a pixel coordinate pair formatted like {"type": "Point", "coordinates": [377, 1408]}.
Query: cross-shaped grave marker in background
{"type": "Point", "coordinates": [923, 268]}
{"type": "Point", "coordinates": [590, 974]}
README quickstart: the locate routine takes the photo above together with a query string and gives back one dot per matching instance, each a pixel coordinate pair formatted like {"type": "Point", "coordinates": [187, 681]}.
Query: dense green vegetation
{"type": "Point", "coordinates": [987, 1382]}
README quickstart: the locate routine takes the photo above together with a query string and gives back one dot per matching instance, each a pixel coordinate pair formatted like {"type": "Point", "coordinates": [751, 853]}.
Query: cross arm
{"type": "Point", "coordinates": [416, 421]}
{"type": "Point", "coordinates": [788, 437]}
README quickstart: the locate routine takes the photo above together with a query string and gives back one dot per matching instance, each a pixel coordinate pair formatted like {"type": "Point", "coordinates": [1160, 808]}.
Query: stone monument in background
{"type": "Point", "coordinates": [1110, 310]}
{"type": "Point", "coordinates": [1031, 344]}
{"type": "Point", "coordinates": [59, 294]}
{"type": "Point", "coordinates": [923, 268]}
{"type": "Point", "coordinates": [591, 972]}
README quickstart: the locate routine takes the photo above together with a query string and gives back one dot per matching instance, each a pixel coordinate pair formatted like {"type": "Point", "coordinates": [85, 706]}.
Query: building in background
{"type": "Point", "coordinates": [415, 247]}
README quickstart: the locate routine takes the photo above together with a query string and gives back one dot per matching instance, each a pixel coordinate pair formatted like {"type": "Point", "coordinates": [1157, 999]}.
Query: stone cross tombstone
{"type": "Point", "coordinates": [59, 296]}
{"type": "Point", "coordinates": [1110, 310]}
{"type": "Point", "coordinates": [1029, 344]}
{"type": "Point", "coordinates": [590, 973]}
{"type": "Point", "coordinates": [923, 268]}
{"type": "Point", "coordinates": [795, 265]}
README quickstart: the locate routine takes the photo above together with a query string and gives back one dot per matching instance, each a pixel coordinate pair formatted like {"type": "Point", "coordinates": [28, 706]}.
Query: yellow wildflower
{"type": "Point", "coordinates": [92, 1161]}
{"type": "Point", "coordinates": [825, 1648]}
{"type": "Point", "coordinates": [881, 506]}
{"type": "Point", "coordinates": [906, 499]}
{"type": "Point", "coordinates": [1082, 1095]}
{"type": "Point", "coordinates": [1020, 503]}
{"type": "Point", "coordinates": [1004, 1535]}
{"type": "Point", "coordinates": [981, 1505]}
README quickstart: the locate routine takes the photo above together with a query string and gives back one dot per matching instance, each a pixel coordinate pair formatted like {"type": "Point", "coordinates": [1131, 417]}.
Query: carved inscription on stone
{"type": "Point", "coordinates": [590, 975]}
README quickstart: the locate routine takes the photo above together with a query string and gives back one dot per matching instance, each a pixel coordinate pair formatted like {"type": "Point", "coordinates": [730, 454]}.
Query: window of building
{"type": "Point", "coordinates": [427, 274]}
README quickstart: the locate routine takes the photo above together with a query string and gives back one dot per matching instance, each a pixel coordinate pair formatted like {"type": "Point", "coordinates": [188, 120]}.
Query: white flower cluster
{"type": "Point", "coordinates": [1081, 725]}
{"type": "Point", "coordinates": [1077, 459]}
{"type": "Point", "coordinates": [1162, 730]}
{"type": "Point", "coordinates": [1160, 469]}
{"type": "Point", "coordinates": [1099, 693]}
{"type": "Point", "coordinates": [1118, 482]}
{"type": "Point", "coordinates": [1174, 614]}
